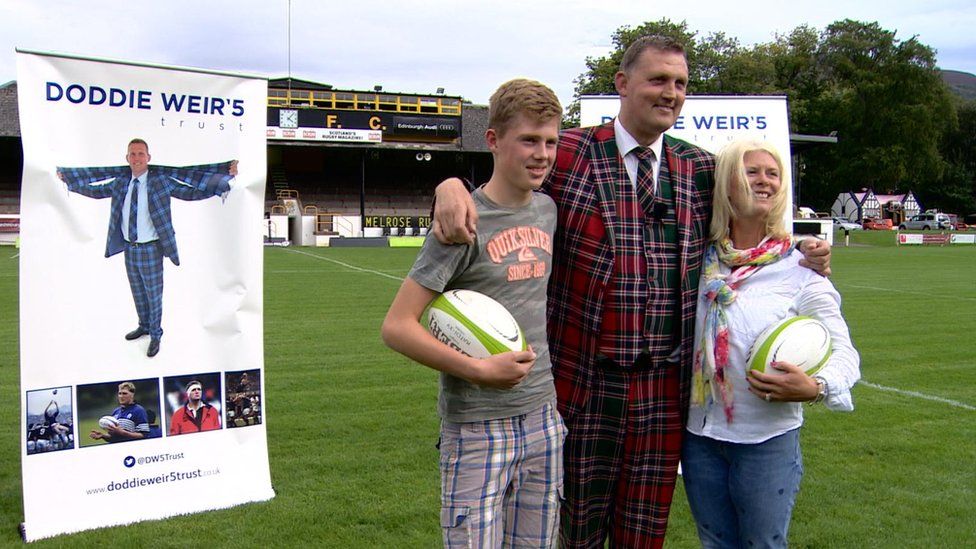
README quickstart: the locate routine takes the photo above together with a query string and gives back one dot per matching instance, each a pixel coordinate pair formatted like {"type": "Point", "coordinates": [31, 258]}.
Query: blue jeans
{"type": "Point", "coordinates": [742, 495]}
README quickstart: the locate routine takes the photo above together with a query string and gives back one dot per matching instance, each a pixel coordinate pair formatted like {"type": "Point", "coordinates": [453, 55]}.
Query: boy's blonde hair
{"type": "Point", "coordinates": [521, 95]}
{"type": "Point", "coordinates": [730, 170]}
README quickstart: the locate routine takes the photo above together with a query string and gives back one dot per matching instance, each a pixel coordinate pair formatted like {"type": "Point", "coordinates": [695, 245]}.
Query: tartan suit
{"type": "Point", "coordinates": [633, 512]}
{"type": "Point", "coordinates": [144, 265]}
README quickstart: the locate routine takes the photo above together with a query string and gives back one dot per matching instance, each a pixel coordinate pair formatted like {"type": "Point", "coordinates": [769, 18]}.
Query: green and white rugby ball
{"type": "Point", "coordinates": [474, 324]}
{"type": "Point", "coordinates": [799, 340]}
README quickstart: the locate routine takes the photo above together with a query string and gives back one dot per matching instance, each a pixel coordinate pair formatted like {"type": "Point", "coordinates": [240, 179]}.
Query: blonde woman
{"type": "Point", "coordinates": [741, 455]}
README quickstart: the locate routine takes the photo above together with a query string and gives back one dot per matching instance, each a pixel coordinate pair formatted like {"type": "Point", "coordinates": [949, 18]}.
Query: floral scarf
{"type": "Point", "coordinates": [712, 359]}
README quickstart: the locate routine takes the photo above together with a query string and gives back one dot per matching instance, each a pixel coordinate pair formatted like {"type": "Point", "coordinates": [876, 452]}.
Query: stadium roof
{"type": "Point", "coordinates": [801, 142]}
{"type": "Point", "coordinates": [9, 117]}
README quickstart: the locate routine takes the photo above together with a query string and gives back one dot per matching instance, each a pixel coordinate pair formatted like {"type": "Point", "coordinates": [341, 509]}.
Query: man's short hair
{"type": "Point", "coordinates": [650, 42]}
{"type": "Point", "coordinates": [137, 140]}
{"type": "Point", "coordinates": [524, 96]}
{"type": "Point", "coordinates": [127, 386]}
{"type": "Point", "coordinates": [190, 385]}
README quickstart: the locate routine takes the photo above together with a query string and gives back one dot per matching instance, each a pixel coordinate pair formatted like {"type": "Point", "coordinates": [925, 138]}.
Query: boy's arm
{"type": "Point", "coordinates": [403, 333]}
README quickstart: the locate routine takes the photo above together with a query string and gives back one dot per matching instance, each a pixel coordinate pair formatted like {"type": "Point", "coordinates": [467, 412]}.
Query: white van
{"type": "Point", "coordinates": [927, 221]}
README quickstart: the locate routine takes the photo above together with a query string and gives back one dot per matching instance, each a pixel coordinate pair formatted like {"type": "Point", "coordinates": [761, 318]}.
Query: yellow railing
{"type": "Point", "coordinates": [369, 101]}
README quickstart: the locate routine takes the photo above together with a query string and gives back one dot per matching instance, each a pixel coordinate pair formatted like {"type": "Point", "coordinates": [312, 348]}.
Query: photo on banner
{"type": "Point", "coordinates": [141, 272]}
{"type": "Point", "coordinates": [50, 420]}
{"type": "Point", "coordinates": [244, 399]}
{"type": "Point", "coordinates": [192, 403]}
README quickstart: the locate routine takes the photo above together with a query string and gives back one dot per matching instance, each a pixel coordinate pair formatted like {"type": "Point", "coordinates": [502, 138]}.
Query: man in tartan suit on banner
{"type": "Point", "coordinates": [633, 211]}
{"type": "Point", "coordinates": [140, 220]}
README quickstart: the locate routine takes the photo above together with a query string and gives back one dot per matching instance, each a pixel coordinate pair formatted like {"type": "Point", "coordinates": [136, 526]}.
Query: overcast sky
{"type": "Point", "coordinates": [466, 47]}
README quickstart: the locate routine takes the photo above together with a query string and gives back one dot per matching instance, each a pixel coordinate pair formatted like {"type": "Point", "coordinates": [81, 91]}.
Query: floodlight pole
{"type": "Point", "coordinates": [289, 52]}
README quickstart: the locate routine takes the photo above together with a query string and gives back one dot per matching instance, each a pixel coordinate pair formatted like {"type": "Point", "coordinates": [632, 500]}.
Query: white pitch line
{"type": "Point", "coordinates": [926, 294]}
{"type": "Point", "coordinates": [347, 265]}
{"type": "Point", "coordinates": [934, 398]}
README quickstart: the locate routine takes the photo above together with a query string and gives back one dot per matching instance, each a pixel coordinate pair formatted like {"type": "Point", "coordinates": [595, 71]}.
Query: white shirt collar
{"type": "Point", "coordinates": [626, 142]}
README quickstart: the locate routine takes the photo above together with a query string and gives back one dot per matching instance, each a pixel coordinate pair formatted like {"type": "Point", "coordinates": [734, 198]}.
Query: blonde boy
{"type": "Point", "coordinates": [501, 437]}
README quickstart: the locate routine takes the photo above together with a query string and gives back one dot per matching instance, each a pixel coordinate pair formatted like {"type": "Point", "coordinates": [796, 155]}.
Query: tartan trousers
{"type": "Point", "coordinates": [622, 454]}
{"type": "Point", "coordinates": [144, 267]}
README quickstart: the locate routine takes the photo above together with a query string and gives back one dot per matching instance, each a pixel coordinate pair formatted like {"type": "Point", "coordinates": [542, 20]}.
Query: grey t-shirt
{"type": "Point", "coordinates": [510, 262]}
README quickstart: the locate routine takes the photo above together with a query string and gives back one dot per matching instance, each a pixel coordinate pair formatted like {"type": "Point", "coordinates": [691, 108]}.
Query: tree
{"type": "Point", "coordinates": [956, 192]}
{"type": "Point", "coordinates": [889, 107]}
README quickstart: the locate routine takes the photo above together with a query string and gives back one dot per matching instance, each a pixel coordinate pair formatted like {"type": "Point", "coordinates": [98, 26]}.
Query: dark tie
{"type": "Point", "coordinates": [133, 208]}
{"type": "Point", "coordinates": [645, 179]}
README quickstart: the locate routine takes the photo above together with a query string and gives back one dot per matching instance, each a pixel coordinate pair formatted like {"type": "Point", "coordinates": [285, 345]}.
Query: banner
{"type": "Point", "coordinates": [909, 238]}
{"type": "Point", "coordinates": [416, 127]}
{"type": "Point", "coordinates": [326, 134]}
{"type": "Point", "coordinates": [713, 121]}
{"type": "Point", "coordinates": [140, 300]}
{"type": "Point", "coordinates": [938, 239]}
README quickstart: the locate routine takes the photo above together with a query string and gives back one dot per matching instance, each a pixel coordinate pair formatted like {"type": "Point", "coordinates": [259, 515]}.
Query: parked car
{"type": "Point", "coordinates": [957, 224]}
{"type": "Point", "coordinates": [927, 221]}
{"type": "Point", "coordinates": [844, 224]}
{"type": "Point", "coordinates": [874, 224]}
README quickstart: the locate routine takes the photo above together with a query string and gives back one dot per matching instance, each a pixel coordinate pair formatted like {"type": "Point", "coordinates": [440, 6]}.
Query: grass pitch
{"type": "Point", "coordinates": [352, 425]}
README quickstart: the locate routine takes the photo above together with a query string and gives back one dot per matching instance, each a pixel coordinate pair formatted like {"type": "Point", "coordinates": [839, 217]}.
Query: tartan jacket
{"type": "Point", "coordinates": [189, 183]}
{"type": "Point", "coordinates": [581, 183]}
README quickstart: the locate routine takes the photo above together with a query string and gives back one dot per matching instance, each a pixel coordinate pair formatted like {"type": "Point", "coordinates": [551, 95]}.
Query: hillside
{"type": "Point", "coordinates": [962, 83]}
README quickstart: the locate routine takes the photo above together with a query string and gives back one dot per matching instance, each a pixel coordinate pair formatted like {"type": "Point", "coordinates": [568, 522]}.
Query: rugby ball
{"type": "Point", "coordinates": [474, 324]}
{"type": "Point", "coordinates": [799, 340]}
{"type": "Point", "coordinates": [105, 421]}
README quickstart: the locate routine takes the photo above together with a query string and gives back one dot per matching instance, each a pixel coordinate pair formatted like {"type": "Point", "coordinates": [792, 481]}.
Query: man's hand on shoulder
{"type": "Point", "coordinates": [816, 255]}
{"type": "Point", "coordinates": [455, 218]}
{"type": "Point", "coordinates": [233, 168]}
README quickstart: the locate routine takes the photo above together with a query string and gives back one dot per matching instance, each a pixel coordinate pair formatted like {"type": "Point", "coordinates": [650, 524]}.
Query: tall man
{"type": "Point", "coordinates": [633, 210]}
{"type": "Point", "coordinates": [140, 222]}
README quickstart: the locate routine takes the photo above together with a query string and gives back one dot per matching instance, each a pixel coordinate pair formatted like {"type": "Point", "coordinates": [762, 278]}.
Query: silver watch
{"type": "Point", "coordinates": [821, 390]}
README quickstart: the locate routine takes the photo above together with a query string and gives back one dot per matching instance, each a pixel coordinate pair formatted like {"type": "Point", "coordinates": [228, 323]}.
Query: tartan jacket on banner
{"type": "Point", "coordinates": [588, 166]}
{"type": "Point", "coordinates": [189, 183]}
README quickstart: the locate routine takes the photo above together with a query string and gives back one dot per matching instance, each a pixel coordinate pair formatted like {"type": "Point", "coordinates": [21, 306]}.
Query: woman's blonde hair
{"type": "Point", "coordinates": [730, 170]}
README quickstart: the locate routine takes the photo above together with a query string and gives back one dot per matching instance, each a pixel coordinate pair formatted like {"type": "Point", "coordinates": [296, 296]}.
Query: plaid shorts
{"type": "Point", "coordinates": [502, 480]}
